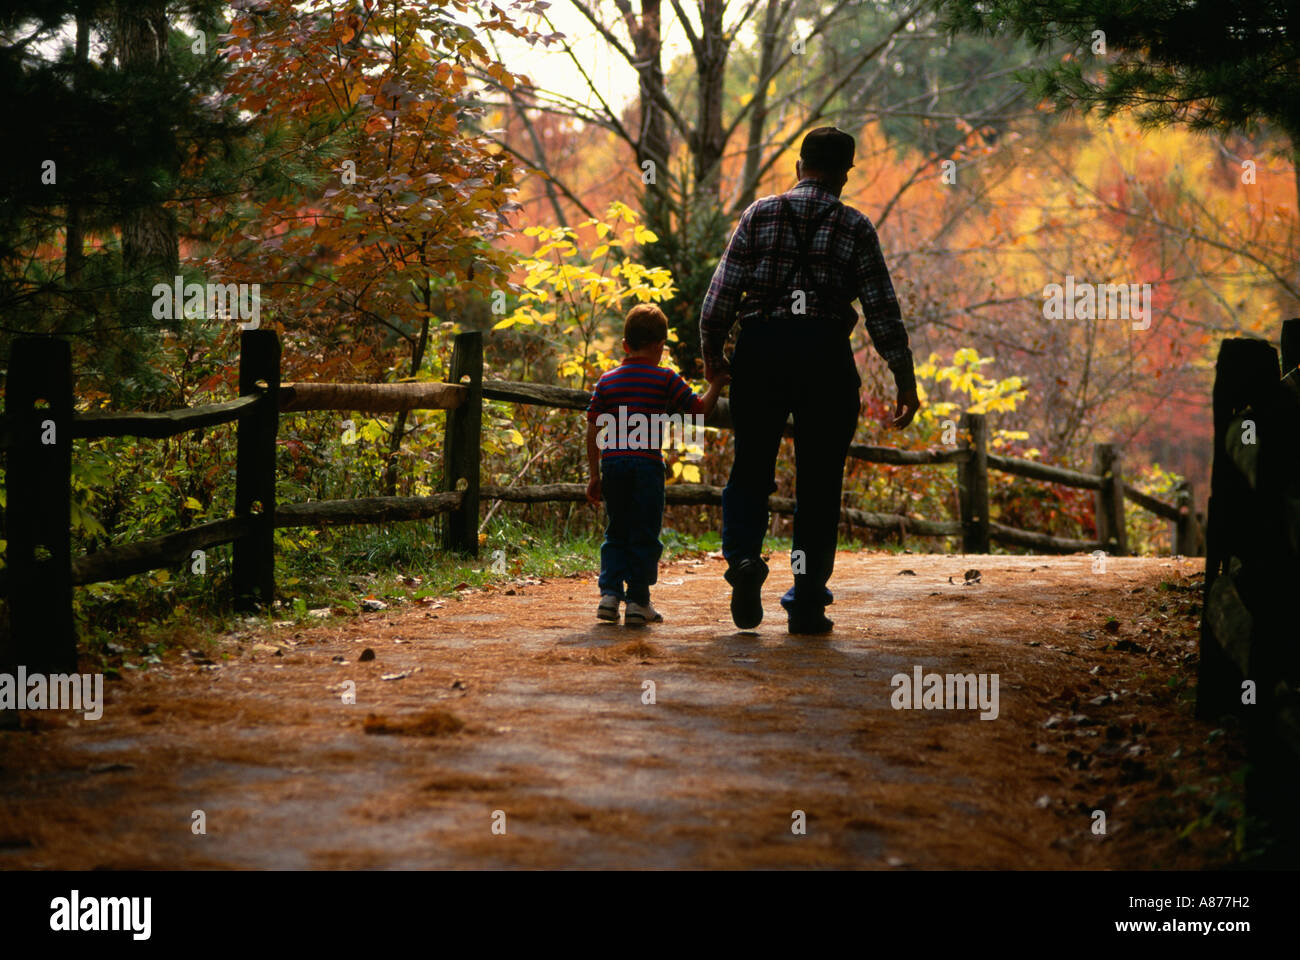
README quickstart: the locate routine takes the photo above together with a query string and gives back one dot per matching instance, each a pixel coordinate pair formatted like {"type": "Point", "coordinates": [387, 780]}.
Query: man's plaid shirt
{"type": "Point", "coordinates": [763, 252]}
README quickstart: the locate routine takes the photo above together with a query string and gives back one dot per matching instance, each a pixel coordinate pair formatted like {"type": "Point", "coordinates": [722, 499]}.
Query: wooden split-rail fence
{"type": "Point", "coordinates": [41, 421]}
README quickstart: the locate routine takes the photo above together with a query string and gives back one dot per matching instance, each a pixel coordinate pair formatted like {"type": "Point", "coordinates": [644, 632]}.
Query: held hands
{"type": "Point", "coordinates": [712, 373]}
{"type": "Point", "coordinates": [593, 491]}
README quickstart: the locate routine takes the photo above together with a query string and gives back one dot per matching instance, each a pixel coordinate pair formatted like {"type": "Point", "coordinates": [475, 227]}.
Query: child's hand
{"type": "Point", "coordinates": [721, 378]}
{"type": "Point", "coordinates": [593, 491]}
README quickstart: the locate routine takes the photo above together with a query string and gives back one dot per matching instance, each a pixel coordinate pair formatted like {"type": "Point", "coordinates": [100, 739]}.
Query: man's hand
{"type": "Point", "coordinates": [905, 409]}
{"type": "Point", "coordinates": [721, 370]}
{"type": "Point", "coordinates": [593, 491]}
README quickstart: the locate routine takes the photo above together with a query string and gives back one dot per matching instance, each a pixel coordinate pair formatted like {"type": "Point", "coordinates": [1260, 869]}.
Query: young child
{"type": "Point", "coordinates": [627, 466]}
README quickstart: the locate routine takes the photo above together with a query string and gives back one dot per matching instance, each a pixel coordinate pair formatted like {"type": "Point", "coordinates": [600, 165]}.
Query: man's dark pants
{"type": "Point", "coordinates": [633, 491]}
{"type": "Point", "coordinates": [778, 369]}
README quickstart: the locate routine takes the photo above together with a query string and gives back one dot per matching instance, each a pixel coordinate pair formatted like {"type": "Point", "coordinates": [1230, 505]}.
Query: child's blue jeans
{"type": "Point", "coordinates": [633, 491]}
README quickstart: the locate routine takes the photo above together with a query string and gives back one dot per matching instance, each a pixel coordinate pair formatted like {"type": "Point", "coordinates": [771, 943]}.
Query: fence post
{"type": "Point", "coordinates": [1185, 533]}
{"type": "Point", "coordinates": [1110, 500]}
{"type": "Point", "coordinates": [253, 576]}
{"type": "Point", "coordinates": [43, 636]}
{"type": "Point", "coordinates": [1290, 345]}
{"type": "Point", "coordinates": [973, 486]}
{"type": "Point", "coordinates": [1244, 367]}
{"type": "Point", "coordinates": [463, 442]}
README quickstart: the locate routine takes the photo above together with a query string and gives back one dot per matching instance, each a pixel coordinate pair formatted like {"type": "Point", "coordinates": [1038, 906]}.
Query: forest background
{"type": "Point", "coordinates": [390, 173]}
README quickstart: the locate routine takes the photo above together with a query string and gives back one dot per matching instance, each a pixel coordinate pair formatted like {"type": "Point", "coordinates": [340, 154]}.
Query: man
{"type": "Point", "coordinates": [789, 275]}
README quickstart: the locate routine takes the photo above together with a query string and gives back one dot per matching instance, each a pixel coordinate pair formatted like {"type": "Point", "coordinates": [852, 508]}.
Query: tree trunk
{"type": "Point", "coordinates": [711, 67]}
{"type": "Point", "coordinates": [758, 111]}
{"type": "Point", "coordinates": [74, 238]}
{"type": "Point", "coordinates": [652, 141]}
{"type": "Point", "coordinates": [149, 241]}
{"type": "Point", "coordinates": [399, 422]}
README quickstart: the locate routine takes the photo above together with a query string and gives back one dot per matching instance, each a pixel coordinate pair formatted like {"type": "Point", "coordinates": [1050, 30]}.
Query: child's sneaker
{"type": "Point", "coordinates": [638, 615]}
{"type": "Point", "coordinates": [608, 609]}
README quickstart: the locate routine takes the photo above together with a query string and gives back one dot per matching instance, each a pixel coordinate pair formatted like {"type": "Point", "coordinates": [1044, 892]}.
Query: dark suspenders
{"type": "Point", "coordinates": [802, 266]}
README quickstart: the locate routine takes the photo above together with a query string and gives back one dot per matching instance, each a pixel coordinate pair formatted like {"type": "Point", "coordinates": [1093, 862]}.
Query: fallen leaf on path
{"type": "Point", "coordinates": [399, 676]}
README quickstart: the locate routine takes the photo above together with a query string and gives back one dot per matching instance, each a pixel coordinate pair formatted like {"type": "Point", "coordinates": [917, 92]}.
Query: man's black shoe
{"type": "Point", "coordinates": [810, 624]}
{"type": "Point", "coordinates": [746, 579]}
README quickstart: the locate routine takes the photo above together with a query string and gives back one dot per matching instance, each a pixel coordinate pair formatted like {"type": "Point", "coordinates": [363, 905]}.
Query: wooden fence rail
{"type": "Point", "coordinates": [40, 424]}
{"type": "Point", "coordinates": [159, 426]}
{"type": "Point", "coordinates": [371, 397]}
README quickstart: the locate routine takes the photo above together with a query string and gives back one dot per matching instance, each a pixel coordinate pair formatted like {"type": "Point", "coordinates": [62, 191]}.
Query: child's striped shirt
{"type": "Point", "coordinates": [630, 395]}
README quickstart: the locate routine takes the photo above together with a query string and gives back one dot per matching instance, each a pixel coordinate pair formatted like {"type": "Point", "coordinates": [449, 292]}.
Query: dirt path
{"type": "Point", "coordinates": [745, 729]}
